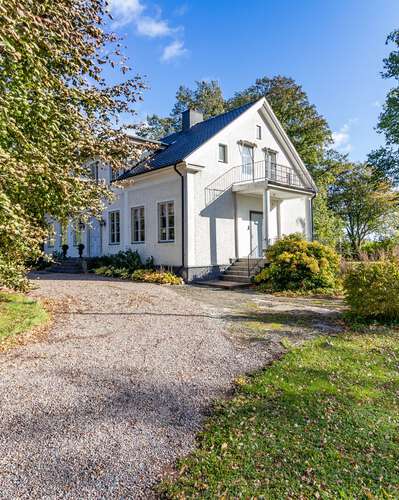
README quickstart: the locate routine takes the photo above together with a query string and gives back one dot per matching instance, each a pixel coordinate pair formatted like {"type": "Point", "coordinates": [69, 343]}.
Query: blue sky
{"type": "Point", "coordinates": [333, 48]}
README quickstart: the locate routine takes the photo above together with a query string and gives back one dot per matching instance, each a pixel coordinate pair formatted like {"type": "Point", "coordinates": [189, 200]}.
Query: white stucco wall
{"type": "Point", "coordinates": [213, 225]}
{"type": "Point", "coordinates": [148, 191]}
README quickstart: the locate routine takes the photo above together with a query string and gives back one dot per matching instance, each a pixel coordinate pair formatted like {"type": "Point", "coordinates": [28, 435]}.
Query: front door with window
{"type": "Point", "coordinates": [255, 227]}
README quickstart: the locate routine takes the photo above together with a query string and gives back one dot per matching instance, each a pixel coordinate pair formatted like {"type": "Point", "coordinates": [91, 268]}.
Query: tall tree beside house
{"type": "Point", "coordinates": [56, 112]}
{"type": "Point", "coordinates": [367, 204]}
{"type": "Point", "coordinates": [307, 129]}
{"type": "Point", "coordinates": [328, 226]}
{"type": "Point", "coordinates": [207, 97]}
{"type": "Point", "coordinates": [386, 158]}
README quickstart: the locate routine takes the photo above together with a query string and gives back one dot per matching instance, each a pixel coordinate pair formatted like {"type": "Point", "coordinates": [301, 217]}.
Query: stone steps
{"type": "Point", "coordinates": [67, 266]}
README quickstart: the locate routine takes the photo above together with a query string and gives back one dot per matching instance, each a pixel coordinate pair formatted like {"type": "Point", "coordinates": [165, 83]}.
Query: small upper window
{"type": "Point", "coordinates": [223, 153]}
{"type": "Point", "coordinates": [258, 132]}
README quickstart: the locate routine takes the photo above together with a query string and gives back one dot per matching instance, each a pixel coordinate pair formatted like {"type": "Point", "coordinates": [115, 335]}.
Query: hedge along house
{"type": "Point", "coordinates": [218, 190]}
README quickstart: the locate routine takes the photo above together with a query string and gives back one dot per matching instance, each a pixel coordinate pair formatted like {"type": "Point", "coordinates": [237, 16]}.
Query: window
{"type": "Point", "coordinates": [51, 235]}
{"type": "Point", "coordinates": [64, 233]}
{"type": "Point", "coordinates": [77, 234]}
{"type": "Point", "coordinates": [258, 132]}
{"type": "Point", "coordinates": [138, 226]}
{"type": "Point", "coordinates": [166, 215]}
{"type": "Point", "coordinates": [114, 219]}
{"type": "Point", "coordinates": [223, 153]}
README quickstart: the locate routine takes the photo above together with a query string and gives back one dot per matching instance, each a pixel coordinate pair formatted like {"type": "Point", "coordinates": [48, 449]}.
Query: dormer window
{"type": "Point", "coordinates": [258, 132]}
{"type": "Point", "coordinates": [223, 153]}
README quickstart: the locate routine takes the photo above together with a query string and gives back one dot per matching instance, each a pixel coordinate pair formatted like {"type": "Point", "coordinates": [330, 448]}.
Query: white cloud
{"type": "Point", "coordinates": [341, 137]}
{"type": "Point", "coordinates": [152, 28]}
{"type": "Point", "coordinates": [173, 50]}
{"type": "Point", "coordinates": [377, 104]}
{"type": "Point", "coordinates": [125, 11]}
{"type": "Point", "coordinates": [135, 12]}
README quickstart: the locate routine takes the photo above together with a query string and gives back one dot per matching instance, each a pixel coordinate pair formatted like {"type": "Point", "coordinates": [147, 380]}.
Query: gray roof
{"type": "Point", "coordinates": [181, 144]}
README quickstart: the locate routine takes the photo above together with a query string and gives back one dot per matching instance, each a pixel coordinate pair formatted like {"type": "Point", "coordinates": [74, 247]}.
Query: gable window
{"type": "Point", "coordinates": [166, 218]}
{"type": "Point", "coordinates": [138, 225]}
{"type": "Point", "coordinates": [258, 132]}
{"type": "Point", "coordinates": [114, 219]}
{"type": "Point", "coordinates": [223, 153]}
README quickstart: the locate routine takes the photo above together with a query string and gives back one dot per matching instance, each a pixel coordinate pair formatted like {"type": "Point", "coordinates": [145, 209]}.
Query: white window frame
{"type": "Point", "coordinates": [168, 227]}
{"type": "Point", "coordinates": [77, 237]}
{"type": "Point", "coordinates": [272, 165]}
{"type": "Point", "coordinates": [140, 210]}
{"type": "Point", "coordinates": [259, 132]}
{"type": "Point", "coordinates": [114, 221]}
{"type": "Point", "coordinates": [225, 158]}
{"type": "Point", "coordinates": [51, 235]}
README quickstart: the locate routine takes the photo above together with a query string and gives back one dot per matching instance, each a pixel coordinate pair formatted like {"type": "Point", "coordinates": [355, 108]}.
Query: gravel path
{"type": "Point", "coordinates": [117, 391]}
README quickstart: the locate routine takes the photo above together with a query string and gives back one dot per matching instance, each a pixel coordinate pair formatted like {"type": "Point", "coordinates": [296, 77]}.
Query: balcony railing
{"type": "Point", "coordinates": [254, 172]}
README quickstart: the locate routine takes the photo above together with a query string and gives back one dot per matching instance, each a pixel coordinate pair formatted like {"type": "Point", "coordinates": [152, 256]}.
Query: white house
{"type": "Point", "coordinates": [218, 190]}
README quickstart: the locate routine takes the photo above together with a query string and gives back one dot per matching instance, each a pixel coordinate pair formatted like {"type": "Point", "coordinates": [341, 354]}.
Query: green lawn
{"type": "Point", "coordinates": [323, 422]}
{"type": "Point", "coordinates": [18, 314]}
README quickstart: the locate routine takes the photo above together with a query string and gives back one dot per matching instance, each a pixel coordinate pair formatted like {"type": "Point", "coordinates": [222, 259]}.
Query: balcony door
{"type": "Point", "coordinates": [247, 159]}
{"type": "Point", "coordinates": [271, 164]}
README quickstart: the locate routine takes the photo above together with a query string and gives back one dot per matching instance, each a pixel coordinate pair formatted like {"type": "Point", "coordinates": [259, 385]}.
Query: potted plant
{"type": "Point", "coordinates": [81, 247]}
{"type": "Point", "coordinates": [64, 250]}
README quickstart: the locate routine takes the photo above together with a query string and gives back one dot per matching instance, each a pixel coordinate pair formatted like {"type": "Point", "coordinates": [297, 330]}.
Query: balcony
{"type": "Point", "coordinates": [256, 172]}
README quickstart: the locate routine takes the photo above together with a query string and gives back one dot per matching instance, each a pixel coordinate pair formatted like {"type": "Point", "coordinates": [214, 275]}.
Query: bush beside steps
{"type": "Point", "coordinates": [144, 275]}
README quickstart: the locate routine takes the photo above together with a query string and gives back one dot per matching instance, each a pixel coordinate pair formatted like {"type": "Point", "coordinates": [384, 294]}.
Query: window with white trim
{"type": "Point", "coordinates": [271, 162]}
{"type": "Point", "coordinates": [138, 225]}
{"type": "Point", "coordinates": [258, 132]}
{"type": "Point", "coordinates": [51, 235]}
{"type": "Point", "coordinates": [166, 220]}
{"type": "Point", "coordinates": [222, 153]}
{"type": "Point", "coordinates": [114, 220]}
{"type": "Point", "coordinates": [77, 234]}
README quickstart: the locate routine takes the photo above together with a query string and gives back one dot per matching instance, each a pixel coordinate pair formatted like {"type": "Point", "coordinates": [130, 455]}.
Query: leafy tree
{"type": "Point", "coordinates": [386, 158]}
{"type": "Point", "coordinates": [56, 112]}
{"type": "Point", "coordinates": [365, 202]}
{"type": "Point", "coordinates": [308, 131]}
{"type": "Point", "coordinates": [207, 97]}
{"type": "Point", "coordinates": [328, 226]}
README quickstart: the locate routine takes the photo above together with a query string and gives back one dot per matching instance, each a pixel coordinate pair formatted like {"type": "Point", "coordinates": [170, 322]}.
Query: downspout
{"type": "Point", "coordinates": [182, 214]}
{"type": "Point", "coordinates": [311, 212]}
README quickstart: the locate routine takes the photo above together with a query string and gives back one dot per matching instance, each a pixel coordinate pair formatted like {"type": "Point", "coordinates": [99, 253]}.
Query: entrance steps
{"type": "Point", "coordinates": [68, 266]}
{"type": "Point", "coordinates": [238, 275]}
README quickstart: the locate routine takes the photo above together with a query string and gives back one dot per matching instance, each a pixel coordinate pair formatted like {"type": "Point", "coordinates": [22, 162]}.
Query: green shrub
{"type": "Point", "coordinates": [161, 277]}
{"type": "Point", "coordinates": [296, 264]}
{"type": "Point", "coordinates": [372, 290]}
{"type": "Point", "coordinates": [375, 250]}
{"type": "Point", "coordinates": [146, 275]}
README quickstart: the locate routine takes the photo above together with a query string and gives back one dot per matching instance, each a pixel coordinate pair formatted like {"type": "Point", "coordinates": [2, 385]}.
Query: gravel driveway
{"type": "Point", "coordinates": [117, 391]}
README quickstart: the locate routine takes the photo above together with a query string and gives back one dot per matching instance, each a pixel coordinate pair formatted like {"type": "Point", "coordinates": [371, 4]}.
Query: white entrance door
{"type": "Point", "coordinates": [255, 226]}
{"type": "Point", "coordinates": [247, 162]}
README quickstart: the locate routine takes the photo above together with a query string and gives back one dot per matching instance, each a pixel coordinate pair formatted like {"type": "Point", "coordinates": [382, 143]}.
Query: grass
{"type": "Point", "coordinates": [19, 314]}
{"type": "Point", "coordinates": [323, 422]}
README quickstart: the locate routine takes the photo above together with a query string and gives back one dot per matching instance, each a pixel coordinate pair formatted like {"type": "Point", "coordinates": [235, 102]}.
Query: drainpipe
{"type": "Point", "coordinates": [311, 214]}
{"type": "Point", "coordinates": [182, 214]}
